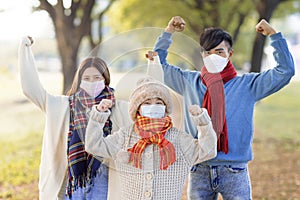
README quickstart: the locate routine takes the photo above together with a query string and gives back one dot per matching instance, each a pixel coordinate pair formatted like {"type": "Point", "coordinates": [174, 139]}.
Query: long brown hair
{"type": "Point", "coordinates": [96, 62]}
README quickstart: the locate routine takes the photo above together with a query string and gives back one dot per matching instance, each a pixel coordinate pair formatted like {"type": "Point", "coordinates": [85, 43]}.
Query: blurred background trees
{"type": "Point", "coordinates": [72, 22]}
{"type": "Point", "coordinates": [75, 20]}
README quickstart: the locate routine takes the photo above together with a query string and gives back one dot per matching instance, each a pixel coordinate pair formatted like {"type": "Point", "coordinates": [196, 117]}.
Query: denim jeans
{"type": "Point", "coordinates": [231, 181]}
{"type": "Point", "coordinates": [97, 190]}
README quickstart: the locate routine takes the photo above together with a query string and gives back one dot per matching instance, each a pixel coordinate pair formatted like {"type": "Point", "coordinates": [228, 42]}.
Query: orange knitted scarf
{"type": "Point", "coordinates": [152, 131]}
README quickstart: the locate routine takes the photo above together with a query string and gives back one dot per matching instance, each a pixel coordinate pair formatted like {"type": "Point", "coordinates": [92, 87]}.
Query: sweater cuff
{"type": "Point", "coordinates": [276, 36]}
{"type": "Point", "coordinates": [202, 119]}
{"type": "Point", "coordinates": [98, 116]}
{"type": "Point", "coordinates": [26, 41]}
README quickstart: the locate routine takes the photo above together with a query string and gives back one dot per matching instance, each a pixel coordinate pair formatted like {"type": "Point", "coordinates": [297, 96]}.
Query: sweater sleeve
{"type": "Point", "coordinates": [155, 69]}
{"type": "Point", "coordinates": [30, 82]}
{"type": "Point", "coordinates": [268, 82]}
{"type": "Point", "coordinates": [203, 148]}
{"type": "Point", "coordinates": [95, 143]}
{"type": "Point", "coordinates": [119, 115]}
{"type": "Point", "coordinates": [174, 77]}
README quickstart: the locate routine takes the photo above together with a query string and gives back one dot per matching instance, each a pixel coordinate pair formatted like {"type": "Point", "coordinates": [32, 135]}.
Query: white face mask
{"type": "Point", "coordinates": [92, 88]}
{"type": "Point", "coordinates": [215, 63]}
{"type": "Point", "coordinates": [153, 111]}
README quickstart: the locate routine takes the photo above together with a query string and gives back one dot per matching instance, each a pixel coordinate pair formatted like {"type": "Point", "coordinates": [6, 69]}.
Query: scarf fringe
{"type": "Point", "coordinates": [223, 143]}
{"type": "Point", "coordinates": [80, 182]}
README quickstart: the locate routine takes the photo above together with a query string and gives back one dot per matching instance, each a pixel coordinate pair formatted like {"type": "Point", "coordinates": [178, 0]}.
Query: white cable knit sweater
{"type": "Point", "coordinates": [150, 182]}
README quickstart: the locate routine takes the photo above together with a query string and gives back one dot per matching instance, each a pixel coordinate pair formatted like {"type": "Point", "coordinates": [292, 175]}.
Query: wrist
{"type": "Point", "coordinates": [272, 32]}
{"type": "Point", "coordinates": [99, 116]}
{"type": "Point", "coordinates": [169, 30]}
{"type": "Point", "coordinates": [98, 109]}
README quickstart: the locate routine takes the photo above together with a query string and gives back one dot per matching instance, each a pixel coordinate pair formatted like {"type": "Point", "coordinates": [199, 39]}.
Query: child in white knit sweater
{"type": "Point", "coordinates": [152, 157]}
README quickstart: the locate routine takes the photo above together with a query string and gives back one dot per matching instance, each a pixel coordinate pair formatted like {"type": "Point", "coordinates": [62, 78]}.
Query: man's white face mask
{"type": "Point", "coordinates": [153, 111]}
{"type": "Point", "coordinates": [214, 63]}
{"type": "Point", "coordinates": [93, 88]}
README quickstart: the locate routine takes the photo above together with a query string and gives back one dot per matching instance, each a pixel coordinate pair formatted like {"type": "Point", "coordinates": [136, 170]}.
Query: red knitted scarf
{"type": "Point", "coordinates": [152, 131]}
{"type": "Point", "coordinates": [214, 101]}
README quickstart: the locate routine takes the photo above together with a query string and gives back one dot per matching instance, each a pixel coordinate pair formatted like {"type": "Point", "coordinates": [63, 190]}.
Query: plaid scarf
{"type": "Point", "coordinates": [152, 131]}
{"type": "Point", "coordinates": [82, 167]}
{"type": "Point", "coordinates": [214, 101]}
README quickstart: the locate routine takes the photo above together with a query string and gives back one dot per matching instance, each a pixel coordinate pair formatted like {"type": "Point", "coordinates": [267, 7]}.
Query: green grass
{"type": "Point", "coordinates": [20, 160]}
{"type": "Point", "coordinates": [278, 116]}
{"type": "Point", "coordinates": [20, 141]}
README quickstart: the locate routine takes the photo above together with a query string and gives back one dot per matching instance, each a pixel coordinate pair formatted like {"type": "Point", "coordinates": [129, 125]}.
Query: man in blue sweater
{"type": "Point", "coordinates": [230, 101]}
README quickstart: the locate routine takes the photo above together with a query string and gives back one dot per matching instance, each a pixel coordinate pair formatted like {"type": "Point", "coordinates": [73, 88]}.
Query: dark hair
{"type": "Point", "coordinates": [96, 62]}
{"type": "Point", "coordinates": [212, 37]}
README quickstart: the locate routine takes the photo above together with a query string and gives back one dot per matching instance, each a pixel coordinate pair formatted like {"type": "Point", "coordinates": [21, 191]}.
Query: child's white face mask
{"type": "Point", "coordinates": [92, 88]}
{"type": "Point", "coordinates": [153, 111]}
{"type": "Point", "coordinates": [214, 63]}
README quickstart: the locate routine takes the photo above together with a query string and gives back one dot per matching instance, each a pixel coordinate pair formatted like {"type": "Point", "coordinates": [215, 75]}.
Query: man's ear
{"type": "Point", "coordinates": [231, 52]}
{"type": "Point", "coordinates": [202, 54]}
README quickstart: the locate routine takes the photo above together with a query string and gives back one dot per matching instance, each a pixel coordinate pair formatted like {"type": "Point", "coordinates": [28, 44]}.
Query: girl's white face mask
{"type": "Point", "coordinates": [214, 63]}
{"type": "Point", "coordinates": [92, 88]}
{"type": "Point", "coordinates": [153, 111]}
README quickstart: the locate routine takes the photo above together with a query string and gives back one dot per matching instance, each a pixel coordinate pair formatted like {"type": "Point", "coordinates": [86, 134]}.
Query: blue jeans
{"type": "Point", "coordinates": [97, 190]}
{"type": "Point", "coordinates": [231, 181]}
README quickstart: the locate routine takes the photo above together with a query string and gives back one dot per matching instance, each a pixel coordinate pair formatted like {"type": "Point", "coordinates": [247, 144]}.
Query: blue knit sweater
{"type": "Point", "coordinates": [241, 94]}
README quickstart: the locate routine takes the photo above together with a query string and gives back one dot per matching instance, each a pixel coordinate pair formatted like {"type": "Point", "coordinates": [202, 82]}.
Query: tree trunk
{"type": "Point", "coordinates": [68, 45]}
{"type": "Point", "coordinates": [257, 52]}
{"type": "Point", "coordinates": [69, 63]}
{"type": "Point", "coordinates": [70, 27]}
{"type": "Point", "coordinates": [265, 9]}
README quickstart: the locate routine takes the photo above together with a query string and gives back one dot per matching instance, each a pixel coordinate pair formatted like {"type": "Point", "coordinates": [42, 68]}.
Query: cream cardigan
{"type": "Point", "coordinates": [53, 166]}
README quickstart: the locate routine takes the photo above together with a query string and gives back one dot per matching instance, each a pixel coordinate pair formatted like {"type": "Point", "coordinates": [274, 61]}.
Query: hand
{"type": "Point", "coordinates": [195, 110]}
{"type": "Point", "coordinates": [104, 105]}
{"type": "Point", "coordinates": [265, 28]}
{"type": "Point", "coordinates": [31, 41]}
{"type": "Point", "coordinates": [176, 24]}
{"type": "Point", "coordinates": [151, 54]}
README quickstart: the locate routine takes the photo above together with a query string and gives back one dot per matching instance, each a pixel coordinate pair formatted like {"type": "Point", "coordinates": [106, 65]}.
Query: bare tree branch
{"type": "Point", "coordinates": [45, 5]}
